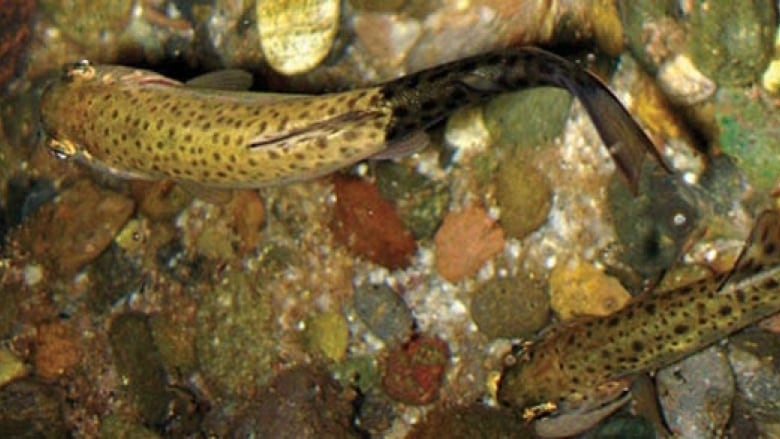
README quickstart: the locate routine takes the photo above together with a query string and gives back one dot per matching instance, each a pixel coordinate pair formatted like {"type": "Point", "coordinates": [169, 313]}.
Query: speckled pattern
{"type": "Point", "coordinates": [139, 124]}
{"type": "Point", "coordinates": [424, 98]}
{"type": "Point", "coordinates": [581, 365]}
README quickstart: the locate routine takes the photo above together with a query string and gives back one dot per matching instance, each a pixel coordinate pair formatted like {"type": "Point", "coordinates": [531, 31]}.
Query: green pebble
{"type": "Point", "coordinates": [530, 117]}
{"type": "Point", "coordinates": [748, 133]}
{"type": "Point", "coordinates": [11, 367]}
{"type": "Point", "coordinates": [138, 361]}
{"type": "Point", "coordinates": [635, 17]}
{"type": "Point", "coordinates": [327, 333]}
{"type": "Point", "coordinates": [510, 307]}
{"type": "Point", "coordinates": [235, 341]}
{"type": "Point", "coordinates": [384, 312]}
{"type": "Point", "coordinates": [732, 42]}
{"type": "Point", "coordinates": [421, 203]}
{"type": "Point", "coordinates": [524, 196]}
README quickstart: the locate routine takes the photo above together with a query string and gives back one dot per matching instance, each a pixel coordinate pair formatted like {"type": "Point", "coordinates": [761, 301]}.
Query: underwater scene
{"type": "Point", "coordinates": [389, 219]}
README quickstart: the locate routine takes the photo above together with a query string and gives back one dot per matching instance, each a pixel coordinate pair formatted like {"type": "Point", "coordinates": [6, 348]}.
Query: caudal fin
{"type": "Point", "coordinates": [625, 140]}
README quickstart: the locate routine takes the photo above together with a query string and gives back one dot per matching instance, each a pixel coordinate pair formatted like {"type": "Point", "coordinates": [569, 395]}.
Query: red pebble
{"type": "Point", "coordinates": [369, 225]}
{"type": "Point", "coordinates": [413, 372]}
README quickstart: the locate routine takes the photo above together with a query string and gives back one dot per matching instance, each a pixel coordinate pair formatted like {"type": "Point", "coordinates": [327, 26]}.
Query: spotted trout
{"type": "Point", "coordinates": [584, 365]}
{"type": "Point", "coordinates": [140, 124]}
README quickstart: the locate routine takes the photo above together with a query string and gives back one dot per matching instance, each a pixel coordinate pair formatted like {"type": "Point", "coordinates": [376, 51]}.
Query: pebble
{"type": "Point", "coordinates": [88, 215]}
{"type": "Point", "coordinates": [303, 402]}
{"type": "Point", "coordinates": [235, 341]}
{"type": "Point", "coordinates": [248, 218]}
{"type": "Point", "coordinates": [696, 394]}
{"type": "Point", "coordinates": [745, 132]}
{"type": "Point", "coordinates": [328, 334]}
{"type": "Point", "coordinates": [515, 307]}
{"type": "Point", "coordinates": [375, 414]}
{"type": "Point", "coordinates": [11, 366]}
{"type": "Point", "coordinates": [465, 241]}
{"type": "Point", "coordinates": [16, 22]}
{"type": "Point", "coordinates": [524, 196]}
{"type": "Point", "coordinates": [57, 350]}
{"type": "Point", "coordinates": [297, 35]}
{"type": "Point", "coordinates": [384, 312]}
{"type": "Point", "coordinates": [732, 45]}
{"type": "Point", "coordinates": [577, 288]}
{"type": "Point", "coordinates": [159, 200]}
{"type": "Point", "coordinates": [421, 202]}
{"type": "Point", "coordinates": [412, 373]}
{"type": "Point", "coordinates": [472, 421]}
{"type": "Point", "coordinates": [754, 358]}
{"type": "Point", "coordinates": [369, 225]}
{"type": "Point", "coordinates": [531, 117]}
{"type": "Point", "coordinates": [387, 37]}
{"type": "Point", "coordinates": [31, 409]}
{"type": "Point", "coordinates": [114, 275]}
{"type": "Point", "coordinates": [138, 363]}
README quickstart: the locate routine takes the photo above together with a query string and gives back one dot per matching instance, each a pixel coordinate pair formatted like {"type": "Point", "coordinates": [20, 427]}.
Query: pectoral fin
{"type": "Point", "coordinates": [405, 146]}
{"type": "Point", "coordinates": [228, 79]}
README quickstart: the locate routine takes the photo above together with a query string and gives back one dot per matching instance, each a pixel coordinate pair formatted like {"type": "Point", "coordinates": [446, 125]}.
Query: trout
{"type": "Point", "coordinates": [583, 365]}
{"type": "Point", "coordinates": [139, 124]}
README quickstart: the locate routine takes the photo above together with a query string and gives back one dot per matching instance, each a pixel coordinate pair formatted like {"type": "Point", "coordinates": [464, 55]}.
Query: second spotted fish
{"type": "Point", "coordinates": [139, 124]}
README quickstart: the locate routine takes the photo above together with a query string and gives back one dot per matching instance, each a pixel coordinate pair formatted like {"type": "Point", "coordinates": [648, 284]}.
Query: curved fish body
{"type": "Point", "coordinates": [140, 124]}
{"type": "Point", "coordinates": [582, 366]}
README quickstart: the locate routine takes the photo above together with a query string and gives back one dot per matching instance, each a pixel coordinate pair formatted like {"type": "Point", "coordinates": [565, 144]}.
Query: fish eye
{"type": "Point", "coordinates": [62, 150]}
{"type": "Point", "coordinates": [81, 69]}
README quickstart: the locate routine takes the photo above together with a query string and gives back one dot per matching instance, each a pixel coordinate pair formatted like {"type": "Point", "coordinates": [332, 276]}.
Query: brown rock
{"type": "Point", "coordinates": [77, 227]}
{"type": "Point", "coordinates": [56, 351]}
{"type": "Point", "coordinates": [369, 225]}
{"type": "Point", "coordinates": [465, 241]}
{"type": "Point", "coordinates": [248, 218]}
{"type": "Point", "coordinates": [159, 200]}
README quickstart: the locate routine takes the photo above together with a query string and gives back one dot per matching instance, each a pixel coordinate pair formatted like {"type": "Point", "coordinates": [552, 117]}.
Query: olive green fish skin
{"type": "Point", "coordinates": [578, 363]}
{"type": "Point", "coordinates": [139, 124]}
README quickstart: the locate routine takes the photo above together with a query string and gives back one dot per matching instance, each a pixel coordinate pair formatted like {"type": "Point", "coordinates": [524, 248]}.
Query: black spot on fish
{"type": "Point", "coordinates": [637, 346]}
{"type": "Point", "coordinates": [612, 322]}
{"type": "Point", "coordinates": [770, 284]}
{"type": "Point", "coordinates": [681, 329]}
{"type": "Point", "coordinates": [724, 310]}
{"type": "Point", "coordinates": [650, 308]}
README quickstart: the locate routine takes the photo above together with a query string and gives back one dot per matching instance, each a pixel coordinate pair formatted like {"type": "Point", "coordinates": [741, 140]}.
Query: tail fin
{"type": "Point", "coordinates": [426, 97]}
{"type": "Point", "coordinates": [625, 140]}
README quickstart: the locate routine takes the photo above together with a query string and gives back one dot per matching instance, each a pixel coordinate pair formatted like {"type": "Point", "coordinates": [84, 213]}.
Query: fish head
{"type": "Point", "coordinates": [72, 101]}
{"type": "Point", "coordinates": [59, 107]}
{"type": "Point", "coordinates": [543, 389]}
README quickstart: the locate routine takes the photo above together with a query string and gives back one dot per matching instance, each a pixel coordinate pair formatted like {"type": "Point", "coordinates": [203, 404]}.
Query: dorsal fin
{"type": "Point", "coordinates": [228, 79]}
{"type": "Point", "coordinates": [761, 250]}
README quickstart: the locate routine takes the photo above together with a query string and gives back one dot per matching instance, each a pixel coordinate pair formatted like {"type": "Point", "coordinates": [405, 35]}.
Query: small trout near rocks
{"type": "Point", "coordinates": [582, 366]}
{"type": "Point", "coordinates": [139, 124]}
